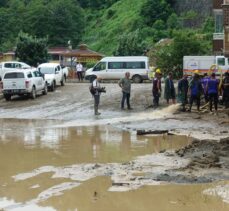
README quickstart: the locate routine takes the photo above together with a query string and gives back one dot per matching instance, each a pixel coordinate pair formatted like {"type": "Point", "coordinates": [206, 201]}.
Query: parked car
{"type": "Point", "coordinates": [23, 82]}
{"type": "Point", "coordinates": [115, 68]}
{"type": "Point", "coordinates": [53, 74]}
{"type": "Point", "coordinates": [12, 65]}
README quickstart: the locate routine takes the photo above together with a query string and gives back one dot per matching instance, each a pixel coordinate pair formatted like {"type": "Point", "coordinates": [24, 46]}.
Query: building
{"type": "Point", "coordinates": [218, 36]}
{"type": "Point", "coordinates": [221, 34]}
{"type": "Point", "coordinates": [63, 55]}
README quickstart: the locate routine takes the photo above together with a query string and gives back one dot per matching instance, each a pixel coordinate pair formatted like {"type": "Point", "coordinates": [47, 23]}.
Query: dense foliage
{"type": "Point", "coordinates": [31, 50]}
{"type": "Point", "coordinates": [60, 20]}
{"type": "Point", "coordinates": [112, 27]}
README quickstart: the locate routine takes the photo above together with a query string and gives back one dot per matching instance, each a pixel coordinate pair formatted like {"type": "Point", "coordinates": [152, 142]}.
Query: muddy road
{"type": "Point", "coordinates": [56, 155]}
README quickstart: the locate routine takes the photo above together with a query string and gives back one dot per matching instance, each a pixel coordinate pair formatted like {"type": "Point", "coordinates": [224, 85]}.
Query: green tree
{"type": "Point", "coordinates": [31, 50]}
{"type": "Point", "coordinates": [130, 45]}
{"type": "Point", "coordinates": [154, 10]}
{"type": "Point", "coordinates": [170, 57]}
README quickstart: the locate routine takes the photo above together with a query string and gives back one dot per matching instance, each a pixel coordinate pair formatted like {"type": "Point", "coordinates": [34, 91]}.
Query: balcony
{"type": "Point", "coordinates": [218, 36]}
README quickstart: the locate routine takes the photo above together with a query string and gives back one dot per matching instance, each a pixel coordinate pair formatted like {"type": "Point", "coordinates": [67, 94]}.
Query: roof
{"type": "Point", "coordinates": [83, 51]}
{"type": "Point", "coordinates": [125, 58]}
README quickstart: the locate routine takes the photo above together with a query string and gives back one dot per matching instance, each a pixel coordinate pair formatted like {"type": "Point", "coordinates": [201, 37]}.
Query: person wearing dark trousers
{"type": "Point", "coordinates": [169, 93]}
{"type": "Point", "coordinates": [79, 71]}
{"type": "Point", "coordinates": [125, 84]}
{"type": "Point", "coordinates": [183, 91]}
{"type": "Point", "coordinates": [212, 90]}
{"type": "Point", "coordinates": [204, 82]}
{"type": "Point", "coordinates": [96, 86]}
{"type": "Point", "coordinates": [156, 90]}
{"type": "Point", "coordinates": [226, 90]}
{"type": "Point", "coordinates": [195, 89]}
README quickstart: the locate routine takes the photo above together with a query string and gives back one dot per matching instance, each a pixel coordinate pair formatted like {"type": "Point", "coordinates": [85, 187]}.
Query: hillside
{"type": "Point", "coordinates": [104, 27]}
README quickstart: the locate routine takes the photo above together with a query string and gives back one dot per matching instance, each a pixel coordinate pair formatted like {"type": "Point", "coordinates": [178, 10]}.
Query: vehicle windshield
{"type": "Point", "coordinates": [47, 70]}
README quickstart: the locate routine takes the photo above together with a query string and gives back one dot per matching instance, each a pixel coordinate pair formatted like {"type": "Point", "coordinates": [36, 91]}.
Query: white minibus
{"type": "Point", "coordinates": [115, 68]}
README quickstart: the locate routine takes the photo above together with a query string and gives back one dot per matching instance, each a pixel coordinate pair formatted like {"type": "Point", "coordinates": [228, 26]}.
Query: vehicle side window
{"type": "Point", "coordinates": [135, 65]}
{"type": "Point", "coordinates": [116, 65]}
{"type": "Point", "coordinates": [16, 65]}
{"type": "Point", "coordinates": [221, 61]}
{"type": "Point", "coordinates": [58, 68]}
{"type": "Point", "coordinates": [37, 74]}
{"type": "Point", "coordinates": [100, 66]}
{"type": "Point", "coordinates": [9, 65]}
{"type": "Point", "coordinates": [29, 75]}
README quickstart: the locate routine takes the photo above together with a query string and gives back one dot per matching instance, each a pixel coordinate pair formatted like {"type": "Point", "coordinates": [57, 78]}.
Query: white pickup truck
{"type": "Point", "coordinates": [12, 65]}
{"type": "Point", "coordinates": [53, 74]}
{"type": "Point", "coordinates": [23, 82]}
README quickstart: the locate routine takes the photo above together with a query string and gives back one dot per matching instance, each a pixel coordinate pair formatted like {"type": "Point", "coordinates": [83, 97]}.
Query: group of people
{"type": "Point", "coordinates": [208, 86]}
{"type": "Point", "coordinates": [124, 84]}
{"type": "Point", "coordinates": [189, 91]}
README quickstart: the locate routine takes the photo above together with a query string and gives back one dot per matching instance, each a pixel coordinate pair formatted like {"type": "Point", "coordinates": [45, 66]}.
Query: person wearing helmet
{"type": "Point", "coordinates": [156, 90]}
{"type": "Point", "coordinates": [195, 89]}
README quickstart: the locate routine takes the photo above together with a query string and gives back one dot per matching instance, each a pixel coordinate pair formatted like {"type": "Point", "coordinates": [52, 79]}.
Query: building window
{"type": "Point", "coordinates": [218, 23]}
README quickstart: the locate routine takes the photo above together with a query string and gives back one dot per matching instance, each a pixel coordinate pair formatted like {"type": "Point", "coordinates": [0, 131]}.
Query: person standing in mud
{"type": "Point", "coordinates": [169, 92]}
{"type": "Point", "coordinates": [156, 90]}
{"type": "Point", "coordinates": [204, 82]}
{"type": "Point", "coordinates": [212, 90]}
{"type": "Point", "coordinates": [226, 90]}
{"type": "Point", "coordinates": [195, 89]}
{"type": "Point", "coordinates": [183, 91]}
{"type": "Point", "coordinates": [79, 71]}
{"type": "Point", "coordinates": [97, 91]}
{"type": "Point", "coordinates": [125, 84]}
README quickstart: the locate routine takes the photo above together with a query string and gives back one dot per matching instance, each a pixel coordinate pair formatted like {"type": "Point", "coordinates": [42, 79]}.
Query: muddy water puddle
{"type": "Point", "coordinates": [46, 168]}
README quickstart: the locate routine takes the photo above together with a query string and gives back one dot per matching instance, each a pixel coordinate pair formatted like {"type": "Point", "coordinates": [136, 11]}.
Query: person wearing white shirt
{"type": "Point", "coordinates": [79, 71]}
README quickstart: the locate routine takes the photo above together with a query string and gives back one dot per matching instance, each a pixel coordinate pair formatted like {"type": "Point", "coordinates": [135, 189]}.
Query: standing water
{"type": "Point", "coordinates": [48, 168]}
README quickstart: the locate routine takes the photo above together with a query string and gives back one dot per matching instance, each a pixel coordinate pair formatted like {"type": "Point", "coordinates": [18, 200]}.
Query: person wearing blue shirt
{"type": "Point", "coordinates": [195, 89]}
{"type": "Point", "coordinates": [212, 89]}
{"type": "Point", "coordinates": [204, 82]}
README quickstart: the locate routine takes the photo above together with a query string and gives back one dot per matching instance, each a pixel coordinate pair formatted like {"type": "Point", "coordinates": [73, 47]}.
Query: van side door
{"type": "Point", "coordinates": [116, 70]}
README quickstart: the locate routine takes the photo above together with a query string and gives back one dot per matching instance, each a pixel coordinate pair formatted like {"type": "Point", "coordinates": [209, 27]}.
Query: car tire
{"type": "Point", "coordinates": [7, 97]}
{"type": "Point", "coordinates": [137, 79]}
{"type": "Point", "coordinates": [53, 86]}
{"type": "Point", "coordinates": [33, 93]}
{"type": "Point", "coordinates": [45, 91]}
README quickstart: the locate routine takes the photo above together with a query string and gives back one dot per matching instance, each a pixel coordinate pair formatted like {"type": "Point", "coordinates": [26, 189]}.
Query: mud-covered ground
{"type": "Point", "coordinates": [205, 160]}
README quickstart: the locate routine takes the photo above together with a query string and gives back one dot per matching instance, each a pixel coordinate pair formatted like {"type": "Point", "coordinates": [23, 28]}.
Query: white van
{"type": "Point", "coordinates": [115, 68]}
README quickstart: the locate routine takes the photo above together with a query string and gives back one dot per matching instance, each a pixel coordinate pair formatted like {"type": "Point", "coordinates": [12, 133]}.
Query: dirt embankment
{"type": "Point", "coordinates": [206, 154]}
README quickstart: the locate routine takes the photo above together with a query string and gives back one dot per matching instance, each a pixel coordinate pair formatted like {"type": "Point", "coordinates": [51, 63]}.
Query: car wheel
{"type": "Point", "coordinates": [7, 97]}
{"type": "Point", "coordinates": [137, 79]}
{"type": "Point", "coordinates": [33, 93]}
{"type": "Point", "coordinates": [52, 88]}
{"type": "Point", "coordinates": [45, 91]}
